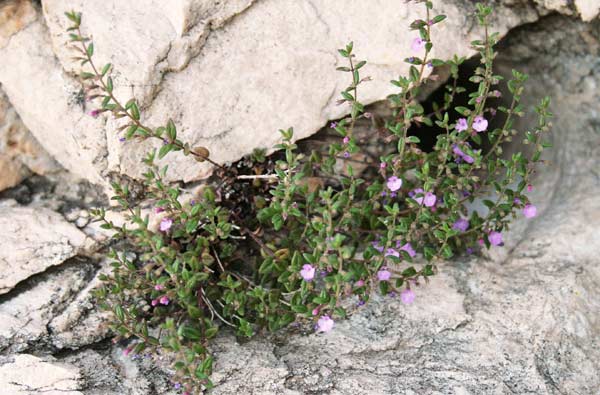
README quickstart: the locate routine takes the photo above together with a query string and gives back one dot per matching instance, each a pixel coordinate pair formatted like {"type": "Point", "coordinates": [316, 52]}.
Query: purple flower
{"type": "Point", "coordinates": [428, 200]}
{"type": "Point", "coordinates": [461, 125]}
{"type": "Point", "coordinates": [325, 324]}
{"type": "Point", "coordinates": [177, 386]}
{"type": "Point", "coordinates": [480, 124]}
{"type": "Point", "coordinates": [517, 201]}
{"type": "Point", "coordinates": [164, 300]}
{"type": "Point", "coordinates": [429, 65]}
{"type": "Point", "coordinates": [127, 351]}
{"type": "Point", "coordinates": [382, 165]}
{"type": "Point", "coordinates": [154, 302]}
{"type": "Point", "coordinates": [359, 283]}
{"type": "Point", "coordinates": [392, 252]}
{"type": "Point", "coordinates": [346, 140]}
{"type": "Point", "coordinates": [409, 249]}
{"type": "Point", "coordinates": [418, 44]}
{"type": "Point", "coordinates": [461, 224]}
{"type": "Point", "coordinates": [315, 311]}
{"type": "Point", "coordinates": [384, 275]}
{"type": "Point", "coordinates": [122, 139]}
{"type": "Point", "coordinates": [394, 183]}
{"type": "Point", "coordinates": [166, 224]}
{"type": "Point", "coordinates": [495, 238]}
{"type": "Point", "coordinates": [407, 296]}
{"type": "Point", "coordinates": [346, 154]}
{"type": "Point", "coordinates": [159, 210]}
{"type": "Point", "coordinates": [469, 159]}
{"type": "Point", "coordinates": [159, 287]}
{"type": "Point", "coordinates": [95, 113]}
{"type": "Point", "coordinates": [377, 246]}
{"type": "Point", "coordinates": [469, 250]}
{"type": "Point", "coordinates": [307, 272]}
{"type": "Point", "coordinates": [360, 303]}
{"type": "Point", "coordinates": [530, 211]}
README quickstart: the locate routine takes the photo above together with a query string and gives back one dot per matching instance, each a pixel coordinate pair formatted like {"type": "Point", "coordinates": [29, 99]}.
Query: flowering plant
{"type": "Point", "coordinates": [311, 253]}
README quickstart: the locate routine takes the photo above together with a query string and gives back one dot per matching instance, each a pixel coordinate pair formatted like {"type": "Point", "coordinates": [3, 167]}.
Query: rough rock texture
{"type": "Point", "coordinates": [20, 153]}
{"type": "Point", "coordinates": [523, 319]}
{"type": "Point", "coordinates": [50, 378]}
{"type": "Point", "coordinates": [38, 239]}
{"type": "Point", "coordinates": [199, 64]}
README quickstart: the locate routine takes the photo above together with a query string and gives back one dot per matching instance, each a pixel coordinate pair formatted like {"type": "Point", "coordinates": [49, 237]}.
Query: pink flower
{"type": "Point", "coordinates": [529, 188]}
{"type": "Point", "coordinates": [495, 238]}
{"type": "Point", "coordinates": [394, 183]}
{"type": "Point", "coordinates": [407, 296]}
{"type": "Point", "coordinates": [384, 275]}
{"type": "Point", "coordinates": [382, 165]}
{"type": "Point", "coordinates": [530, 211]}
{"type": "Point", "coordinates": [392, 252]}
{"type": "Point", "coordinates": [461, 224]}
{"type": "Point", "coordinates": [409, 249]}
{"type": "Point", "coordinates": [164, 300]}
{"type": "Point", "coordinates": [418, 44]}
{"type": "Point", "coordinates": [159, 210]}
{"type": "Point", "coordinates": [461, 125]}
{"type": "Point", "coordinates": [480, 124]}
{"type": "Point", "coordinates": [95, 113]}
{"type": "Point", "coordinates": [315, 311]}
{"type": "Point", "coordinates": [307, 272]}
{"type": "Point", "coordinates": [127, 351]}
{"type": "Point", "coordinates": [346, 140]}
{"type": "Point", "coordinates": [359, 283]}
{"type": "Point", "coordinates": [166, 224]}
{"type": "Point", "coordinates": [159, 287]}
{"type": "Point", "coordinates": [154, 302]}
{"type": "Point", "coordinates": [325, 324]}
{"type": "Point", "coordinates": [429, 199]}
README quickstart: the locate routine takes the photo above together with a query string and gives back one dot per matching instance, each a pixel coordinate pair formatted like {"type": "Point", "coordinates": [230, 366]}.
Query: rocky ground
{"type": "Point", "coordinates": [522, 319]}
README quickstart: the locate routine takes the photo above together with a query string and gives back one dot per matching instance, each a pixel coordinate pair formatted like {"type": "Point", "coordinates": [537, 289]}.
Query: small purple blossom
{"type": "Point", "coordinates": [469, 250]}
{"type": "Point", "coordinates": [384, 275]}
{"type": "Point", "coordinates": [392, 252]}
{"type": "Point", "coordinates": [307, 272]}
{"type": "Point", "coordinates": [377, 246]}
{"type": "Point", "coordinates": [346, 154]}
{"type": "Point", "coordinates": [154, 302]}
{"type": "Point", "coordinates": [461, 125]}
{"type": "Point", "coordinates": [411, 59]}
{"type": "Point", "coordinates": [407, 296]}
{"type": "Point", "coordinates": [480, 124]}
{"type": "Point", "coordinates": [159, 287]}
{"type": "Point", "coordinates": [394, 183]}
{"type": "Point", "coordinates": [529, 211]}
{"type": "Point", "coordinates": [164, 300]}
{"type": "Point", "coordinates": [333, 125]}
{"type": "Point", "coordinates": [360, 303]}
{"type": "Point", "coordinates": [408, 248]}
{"type": "Point", "coordinates": [495, 238]}
{"type": "Point", "coordinates": [382, 165]}
{"type": "Point", "coordinates": [177, 386]}
{"type": "Point", "coordinates": [346, 140]}
{"type": "Point", "coordinates": [94, 113]}
{"type": "Point", "coordinates": [517, 201]}
{"type": "Point", "coordinates": [461, 224]}
{"type": "Point", "coordinates": [127, 351]}
{"type": "Point", "coordinates": [159, 210]}
{"type": "Point", "coordinates": [359, 283]}
{"type": "Point", "coordinates": [325, 324]}
{"type": "Point", "coordinates": [122, 139]}
{"type": "Point", "coordinates": [165, 224]}
{"type": "Point", "coordinates": [428, 200]}
{"type": "Point", "coordinates": [418, 44]}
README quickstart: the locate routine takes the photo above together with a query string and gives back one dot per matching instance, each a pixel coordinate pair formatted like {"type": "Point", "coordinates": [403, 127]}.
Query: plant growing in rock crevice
{"type": "Point", "coordinates": [322, 250]}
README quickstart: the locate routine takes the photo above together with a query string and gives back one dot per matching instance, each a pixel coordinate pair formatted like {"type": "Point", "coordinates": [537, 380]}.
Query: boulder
{"type": "Point", "coordinates": [35, 239]}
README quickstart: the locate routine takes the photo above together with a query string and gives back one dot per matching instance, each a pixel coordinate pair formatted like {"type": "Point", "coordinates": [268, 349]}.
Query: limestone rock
{"type": "Point", "coordinates": [20, 153]}
{"type": "Point", "coordinates": [26, 374]}
{"type": "Point", "coordinates": [224, 73]}
{"type": "Point", "coordinates": [25, 313]}
{"type": "Point", "coordinates": [34, 241]}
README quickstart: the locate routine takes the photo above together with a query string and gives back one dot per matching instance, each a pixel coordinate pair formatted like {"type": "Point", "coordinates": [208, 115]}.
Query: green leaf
{"type": "Point", "coordinates": [105, 69]}
{"type": "Point", "coordinates": [90, 50]}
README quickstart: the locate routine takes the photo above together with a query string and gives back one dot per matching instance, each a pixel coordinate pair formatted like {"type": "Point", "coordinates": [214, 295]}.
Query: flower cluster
{"type": "Point", "coordinates": [295, 252]}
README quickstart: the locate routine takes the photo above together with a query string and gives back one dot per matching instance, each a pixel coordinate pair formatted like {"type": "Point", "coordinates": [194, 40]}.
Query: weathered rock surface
{"type": "Point", "coordinates": [38, 239]}
{"type": "Point", "coordinates": [20, 153]}
{"type": "Point", "coordinates": [223, 70]}
{"type": "Point", "coordinates": [24, 374]}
